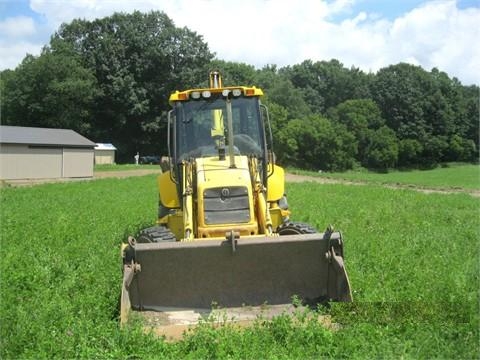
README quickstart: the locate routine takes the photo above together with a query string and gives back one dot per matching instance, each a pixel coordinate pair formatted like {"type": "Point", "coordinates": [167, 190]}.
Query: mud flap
{"type": "Point", "coordinates": [236, 272]}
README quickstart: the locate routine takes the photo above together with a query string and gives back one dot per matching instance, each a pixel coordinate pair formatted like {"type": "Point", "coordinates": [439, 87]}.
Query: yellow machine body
{"type": "Point", "coordinates": [210, 174]}
{"type": "Point", "coordinates": [224, 233]}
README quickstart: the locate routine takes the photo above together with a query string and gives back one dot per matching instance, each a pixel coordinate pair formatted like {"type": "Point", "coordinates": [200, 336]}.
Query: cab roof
{"type": "Point", "coordinates": [200, 92]}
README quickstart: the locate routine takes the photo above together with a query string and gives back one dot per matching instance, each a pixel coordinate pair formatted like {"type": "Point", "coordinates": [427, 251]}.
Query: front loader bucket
{"type": "Point", "coordinates": [250, 271]}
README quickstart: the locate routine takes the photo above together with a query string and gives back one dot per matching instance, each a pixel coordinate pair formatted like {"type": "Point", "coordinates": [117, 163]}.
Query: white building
{"type": "Point", "coordinates": [104, 154]}
{"type": "Point", "coordinates": [41, 153]}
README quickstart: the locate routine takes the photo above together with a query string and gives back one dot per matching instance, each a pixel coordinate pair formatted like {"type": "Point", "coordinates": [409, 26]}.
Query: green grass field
{"type": "Point", "coordinates": [413, 261]}
{"type": "Point", "coordinates": [457, 176]}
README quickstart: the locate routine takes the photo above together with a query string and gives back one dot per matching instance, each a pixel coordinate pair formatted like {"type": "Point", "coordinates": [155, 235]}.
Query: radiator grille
{"type": "Point", "coordinates": [224, 205]}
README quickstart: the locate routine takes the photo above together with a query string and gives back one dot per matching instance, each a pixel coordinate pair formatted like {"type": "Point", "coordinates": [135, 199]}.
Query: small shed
{"type": "Point", "coordinates": [41, 153]}
{"type": "Point", "coordinates": [104, 153]}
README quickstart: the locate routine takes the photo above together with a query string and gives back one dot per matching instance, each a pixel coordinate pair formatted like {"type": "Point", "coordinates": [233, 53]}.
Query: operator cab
{"type": "Point", "coordinates": [201, 127]}
{"type": "Point", "coordinates": [221, 122]}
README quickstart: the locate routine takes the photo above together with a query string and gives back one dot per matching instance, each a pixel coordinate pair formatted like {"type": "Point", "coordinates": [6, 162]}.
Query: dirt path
{"type": "Point", "coordinates": [426, 190]}
{"type": "Point", "coordinates": [320, 180]}
{"type": "Point", "coordinates": [125, 173]}
{"type": "Point", "coordinates": [288, 178]}
{"type": "Point", "coordinates": [96, 175]}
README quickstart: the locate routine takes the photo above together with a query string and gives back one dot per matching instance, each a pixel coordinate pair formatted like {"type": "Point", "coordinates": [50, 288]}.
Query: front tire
{"type": "Point", "coordinates": [294, 228]}
{"type": "Point", "coordinates": [156, 234]}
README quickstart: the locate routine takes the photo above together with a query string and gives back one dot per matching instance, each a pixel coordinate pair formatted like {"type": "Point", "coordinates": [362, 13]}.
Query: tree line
{"type": "Point", "coordinates": [109, 79]}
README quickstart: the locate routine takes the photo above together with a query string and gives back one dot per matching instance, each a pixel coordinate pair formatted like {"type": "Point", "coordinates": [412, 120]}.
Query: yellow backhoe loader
{"type": "Point", "coordinates": [224, 234]}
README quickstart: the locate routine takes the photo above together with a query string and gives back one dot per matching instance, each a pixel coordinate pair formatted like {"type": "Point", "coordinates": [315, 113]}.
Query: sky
{"type": "Point", "coordinates": [367, 34]}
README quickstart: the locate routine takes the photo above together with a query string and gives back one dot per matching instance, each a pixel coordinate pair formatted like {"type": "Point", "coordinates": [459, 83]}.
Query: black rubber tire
{"type": "Point", "coordinates": [156, 234]}
{"type": "Point", "coordinates": [294, 228]}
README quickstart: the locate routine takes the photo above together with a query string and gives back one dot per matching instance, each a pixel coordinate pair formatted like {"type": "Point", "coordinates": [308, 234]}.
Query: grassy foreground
{"type": "Point", "coordinates": [413, 261]}
{"type": "Point", "coordinates": [456, 176]}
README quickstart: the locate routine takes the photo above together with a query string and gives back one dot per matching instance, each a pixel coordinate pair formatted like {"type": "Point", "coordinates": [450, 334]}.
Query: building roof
{"type": "Point", "coordinates": [43, 137]}
{"type": "Point", "coordinates": [102, 146]}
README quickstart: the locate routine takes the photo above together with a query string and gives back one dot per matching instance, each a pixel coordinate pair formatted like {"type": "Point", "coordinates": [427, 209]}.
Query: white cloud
{"type": "Point", "coordinates": [17, 27]}
{"type": "Point", "coordinates": [284, 32]}
{"type": "Point", "coordinates": [13, 54]}
{"type": "Point", "coordinates": [13, 44]}
{"type": "Point", "coordinates": [440, 35]}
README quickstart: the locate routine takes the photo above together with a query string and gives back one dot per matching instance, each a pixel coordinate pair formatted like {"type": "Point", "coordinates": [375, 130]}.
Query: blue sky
{"type": "Point", "coordinates": [369, 34]}
{"type": "Point", "coordinates": [387, 8]}
{"type": "Point", "coordinates": [392, 9]}
{"type": "Point", "coordinates": [12, 8]}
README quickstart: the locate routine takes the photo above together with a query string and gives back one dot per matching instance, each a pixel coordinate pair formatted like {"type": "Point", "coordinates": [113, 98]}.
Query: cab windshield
{"type": "Point", "coordinates": [201, 127]}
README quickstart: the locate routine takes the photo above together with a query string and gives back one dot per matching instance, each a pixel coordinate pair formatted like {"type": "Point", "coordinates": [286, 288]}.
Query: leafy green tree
{"type": "Point", "coordinates": [361, 117]}
{"type": "Point", "coordinates": [467, 115]}
{"type": "Point", "coordinates": [399, 91]}
{"type": "Point", "coordinates": [326, 84]}
{"type": "Point", "coordinates": [434, 150]}
{"type": "Point", "coordinates": [409, 152]}
{"type": "Point", "coordinates": [358, 115]}
{"type": "Point", "coordinates": [442, 103]}
{"type": "Point", "coordinates": [452, 111]}
{"type": "Point", "coordinates": [427, 111]}
{"type": "Point", "coordinates": [306, 77]}
{"type": "Point", "coordinates": [460, 149]}
{"type": "Point", "coordinates": [280, 90]}
{"type": "Point", "coordinates": [5, 77]}
{"type": "Point", "coordinates": [138, 60]}
{"type": "Point", "coordinates": [318, 144]}
{"type": "Point", "coordinates": [52, 90]}
{"type": "Point", "coordinates": [382, 149]}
